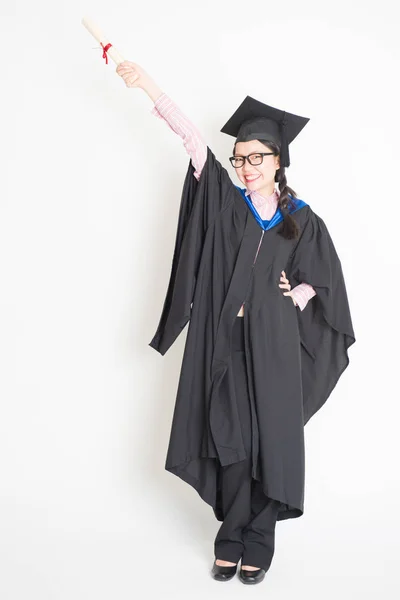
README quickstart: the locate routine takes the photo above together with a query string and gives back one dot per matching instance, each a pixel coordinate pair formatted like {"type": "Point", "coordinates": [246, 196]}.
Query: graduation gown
{"type": "Point", "coordinates": [293, 358]}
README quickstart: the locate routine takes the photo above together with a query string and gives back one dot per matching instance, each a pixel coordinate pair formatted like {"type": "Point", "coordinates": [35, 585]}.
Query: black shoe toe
{"type": "Point", "coordinates": [223, 573]}
{"type": "Point", "coordinates": [250, 577]}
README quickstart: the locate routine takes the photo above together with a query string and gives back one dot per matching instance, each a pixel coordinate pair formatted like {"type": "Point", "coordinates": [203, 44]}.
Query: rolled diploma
{"type": "Point", "coordinates": [101, 38]}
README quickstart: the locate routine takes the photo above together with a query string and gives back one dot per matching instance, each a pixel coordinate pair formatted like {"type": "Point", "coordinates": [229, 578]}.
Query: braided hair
{"type": "Point", "coordinates": [289, 228]}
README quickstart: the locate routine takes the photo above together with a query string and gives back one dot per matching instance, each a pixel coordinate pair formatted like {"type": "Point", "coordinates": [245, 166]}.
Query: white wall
{"type": "Point", "coordinates": [92, 184]}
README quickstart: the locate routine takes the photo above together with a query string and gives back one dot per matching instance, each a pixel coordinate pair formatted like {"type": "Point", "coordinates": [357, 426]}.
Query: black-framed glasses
{"type": "Point", "coordinates": [256, 159]}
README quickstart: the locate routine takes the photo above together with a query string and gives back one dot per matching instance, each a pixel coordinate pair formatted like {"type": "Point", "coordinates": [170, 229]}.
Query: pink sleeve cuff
{"type": "Point", "coordinates": [162, 106]}
{"type": "Point", "coordinates": [302, 293]}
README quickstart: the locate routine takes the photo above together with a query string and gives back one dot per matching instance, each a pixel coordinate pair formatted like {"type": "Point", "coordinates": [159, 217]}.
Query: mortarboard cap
{"type": "Point", "coordinates": [255, 120]}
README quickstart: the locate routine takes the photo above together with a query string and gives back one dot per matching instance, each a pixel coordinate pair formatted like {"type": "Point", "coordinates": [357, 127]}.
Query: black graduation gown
{"type": "Point", "coordinates": [294, 358]}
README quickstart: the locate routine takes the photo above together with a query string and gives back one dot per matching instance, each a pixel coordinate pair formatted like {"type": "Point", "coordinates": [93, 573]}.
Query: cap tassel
{"type": "Point", "coordinates": [284, 153]}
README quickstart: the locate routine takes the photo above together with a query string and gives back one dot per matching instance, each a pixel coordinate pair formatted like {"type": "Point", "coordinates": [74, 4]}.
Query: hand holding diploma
{"type": "Point", "coordinates": [132, 73]}
{"type": "Point", "coordinates": [136, 77]}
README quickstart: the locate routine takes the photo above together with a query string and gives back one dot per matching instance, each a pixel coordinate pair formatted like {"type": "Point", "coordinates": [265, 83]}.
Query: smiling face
{"type": "Point", "coordinates": [262, 176]}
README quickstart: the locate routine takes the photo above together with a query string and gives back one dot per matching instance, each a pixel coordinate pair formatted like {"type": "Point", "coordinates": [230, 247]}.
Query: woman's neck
{"type": "Point", "coordinates": [267, 190]}
{"type": "Point", "coordinates": [262, 193]}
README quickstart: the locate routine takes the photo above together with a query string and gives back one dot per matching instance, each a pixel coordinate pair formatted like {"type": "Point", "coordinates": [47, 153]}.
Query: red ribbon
{"type": "Point", "coordinates": [105, 49]}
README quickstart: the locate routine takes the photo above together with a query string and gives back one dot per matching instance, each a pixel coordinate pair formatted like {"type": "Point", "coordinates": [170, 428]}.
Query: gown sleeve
{"type": "Point", "coordinates": [201, 201]}
{"type": "Point", "coordinates": [325, 327]}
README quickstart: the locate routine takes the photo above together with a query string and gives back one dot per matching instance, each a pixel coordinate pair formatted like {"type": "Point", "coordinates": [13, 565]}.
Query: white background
{"type": "Point", "coordinates": [90, 191]}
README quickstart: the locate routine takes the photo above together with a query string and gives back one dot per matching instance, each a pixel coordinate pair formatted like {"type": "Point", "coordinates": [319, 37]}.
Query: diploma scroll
{"type": "Point", "coordinates": [108, 48]}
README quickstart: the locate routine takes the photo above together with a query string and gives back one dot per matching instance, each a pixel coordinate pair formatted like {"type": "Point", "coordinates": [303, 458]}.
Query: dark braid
{"type": "Point", "coordinates": [289, 228]}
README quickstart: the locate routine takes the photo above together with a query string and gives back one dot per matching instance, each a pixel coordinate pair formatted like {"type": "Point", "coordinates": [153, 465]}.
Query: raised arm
{"type": "Point", "coordinates": [164, 108]}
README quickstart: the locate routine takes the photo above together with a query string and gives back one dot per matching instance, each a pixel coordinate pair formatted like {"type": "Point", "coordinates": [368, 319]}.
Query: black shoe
{"type": "Point", "coordinates": [223, 573]}
{"type": "Point", "coordinates": [246, 576]}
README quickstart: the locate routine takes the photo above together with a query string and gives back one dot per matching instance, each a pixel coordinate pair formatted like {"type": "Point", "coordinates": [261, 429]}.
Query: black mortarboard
{"type": "Point", "coordinates": [255, 120]}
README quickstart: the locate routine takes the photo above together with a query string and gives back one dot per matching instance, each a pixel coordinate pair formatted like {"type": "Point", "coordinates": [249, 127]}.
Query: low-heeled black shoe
{"type": "Point", "coordinates": [223, 573]}
{"type": "Point", "coordinates": [250, 577]}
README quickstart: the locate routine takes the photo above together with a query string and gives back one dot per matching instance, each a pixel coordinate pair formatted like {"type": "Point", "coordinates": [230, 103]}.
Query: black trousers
{"type": "Point", "coordinates": [248, 529]}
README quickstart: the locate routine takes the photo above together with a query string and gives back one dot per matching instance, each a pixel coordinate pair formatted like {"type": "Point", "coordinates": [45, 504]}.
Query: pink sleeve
{"type": "Point", "coordinates": [166, 109]}
{"type": "Point", "coordinates": [302, 293]}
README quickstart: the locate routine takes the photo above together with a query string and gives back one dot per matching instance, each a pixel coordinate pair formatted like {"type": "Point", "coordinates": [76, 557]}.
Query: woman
{"type": "Point", "coordinates": [255, 368]}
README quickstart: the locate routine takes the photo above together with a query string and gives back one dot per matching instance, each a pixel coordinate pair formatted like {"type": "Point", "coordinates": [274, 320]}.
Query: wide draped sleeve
{"type": "Point", "coordinates": [201, 201]}
{"type": "Point", "coordinates": [325, 326]}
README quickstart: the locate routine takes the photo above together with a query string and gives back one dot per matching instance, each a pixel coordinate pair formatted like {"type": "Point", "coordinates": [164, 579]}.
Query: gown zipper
{"type": "Point", "coordinates": [254, 262]}
{"type": "Point", "coordinates": [262, 235]}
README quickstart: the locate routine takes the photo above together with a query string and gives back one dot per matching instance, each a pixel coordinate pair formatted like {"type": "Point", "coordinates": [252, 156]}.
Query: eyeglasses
{"type": "Point", "coordinates": [256, 159]}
